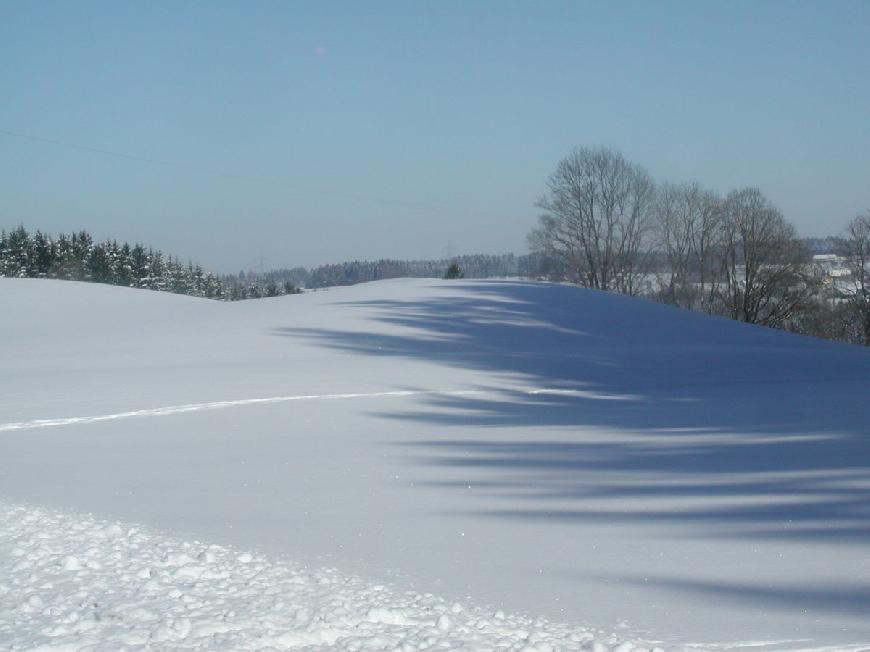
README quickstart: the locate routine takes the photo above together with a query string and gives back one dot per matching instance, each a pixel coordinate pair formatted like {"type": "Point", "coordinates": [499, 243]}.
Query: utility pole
{"type": "Point", "coordinates": [449, 249]}
{"type": "Point", "coordinates": [262, 263]}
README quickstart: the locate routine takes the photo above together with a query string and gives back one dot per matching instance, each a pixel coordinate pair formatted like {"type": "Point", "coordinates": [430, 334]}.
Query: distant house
{"type": "Point", "coordinates": [835, 275]}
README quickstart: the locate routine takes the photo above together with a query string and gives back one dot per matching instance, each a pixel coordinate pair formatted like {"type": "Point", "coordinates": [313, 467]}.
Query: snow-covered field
{"type": "Point", "coordinates": [424, 464]}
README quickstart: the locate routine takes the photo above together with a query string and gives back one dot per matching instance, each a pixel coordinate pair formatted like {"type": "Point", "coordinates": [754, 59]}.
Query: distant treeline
{"type": "Point", "coordinates": [825, 310]}
{"type": "Point", "coordinates": [76, 257]}
{"type": "Point", "coordinates": [360, 271]}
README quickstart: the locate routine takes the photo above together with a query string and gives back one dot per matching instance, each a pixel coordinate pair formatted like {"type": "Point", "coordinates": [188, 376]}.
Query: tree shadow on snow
{"type": "Point", "coordinates": [702, 425]}
{"type": "Point", "coordinates": [847, 599]}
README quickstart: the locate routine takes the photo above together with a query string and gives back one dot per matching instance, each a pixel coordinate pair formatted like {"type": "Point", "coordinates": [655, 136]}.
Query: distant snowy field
{"type": "Point", "coordinates": [422, 464]}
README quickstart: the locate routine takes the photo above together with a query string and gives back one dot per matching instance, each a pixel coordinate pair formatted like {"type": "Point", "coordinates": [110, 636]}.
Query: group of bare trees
{"type": "Point", "coordinates": [736, 256]}
{"type": "Point", "coordinates": [686, 228]}
{"type": "Point", "coordinates": [607, 225]}
{"type": "Point", "coordinates": [857, 251]}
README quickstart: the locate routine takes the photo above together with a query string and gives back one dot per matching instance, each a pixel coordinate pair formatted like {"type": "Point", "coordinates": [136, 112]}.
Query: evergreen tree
{"type": "Point", "coordinates": [289, 288]}
{"type": "Point", "coordinates": [43, 255]}
{"type": "Point", "coordinates": [99, 265]}
{"type": "Point", "coordinates": [18, 245]}
{"type": "Point", "coordinates": [271, 289]}
{"type": "Point", "coordinates": [139, 265]}
{"type": "Point", "coordinates": [156, 278]}
{"type": "Point", "coordinates": [65, 266]}
{"type": "Point", "coordinates": [453, 272]}
{"type": "Point", "coordinates": [124, 266]}
{"type": "Point", "coordinates": [4, 253]}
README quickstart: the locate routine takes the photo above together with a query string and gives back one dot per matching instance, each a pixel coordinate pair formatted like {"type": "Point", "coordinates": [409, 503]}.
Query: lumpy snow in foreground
{"type": "Point", "coordinates": [424, 464]}
{"type": "Point", "coordinates": [81, 583]}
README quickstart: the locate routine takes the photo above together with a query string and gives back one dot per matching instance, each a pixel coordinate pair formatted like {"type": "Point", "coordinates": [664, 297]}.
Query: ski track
{"type": "Point", "coordinates": [220, 405]}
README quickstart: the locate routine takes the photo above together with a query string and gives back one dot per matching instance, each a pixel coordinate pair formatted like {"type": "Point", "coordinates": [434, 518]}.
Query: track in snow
{"type": "Point", "coordinates": [220, 405]}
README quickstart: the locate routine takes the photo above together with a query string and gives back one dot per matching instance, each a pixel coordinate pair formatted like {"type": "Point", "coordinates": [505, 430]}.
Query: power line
{"type": "Point", "coordinates": [327, 192]}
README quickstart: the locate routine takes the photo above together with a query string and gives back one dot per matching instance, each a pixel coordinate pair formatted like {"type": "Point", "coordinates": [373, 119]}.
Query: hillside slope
{"type": "Point", "coordinates": [544, 449]}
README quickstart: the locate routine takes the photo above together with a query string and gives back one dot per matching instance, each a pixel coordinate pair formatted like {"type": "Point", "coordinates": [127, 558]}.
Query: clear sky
{"type": "Point", "coordinates": [313, 132]}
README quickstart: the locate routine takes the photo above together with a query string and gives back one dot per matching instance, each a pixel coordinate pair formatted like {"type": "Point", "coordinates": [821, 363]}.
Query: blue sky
{"type": "Point", "coordinates": [312, 132]}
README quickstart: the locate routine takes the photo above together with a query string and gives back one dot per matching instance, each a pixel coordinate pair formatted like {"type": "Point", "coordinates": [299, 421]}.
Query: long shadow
{"type": "Point", "coordinates": [748, 432]}
{"type": "Point", "coordinates": [851, 599]}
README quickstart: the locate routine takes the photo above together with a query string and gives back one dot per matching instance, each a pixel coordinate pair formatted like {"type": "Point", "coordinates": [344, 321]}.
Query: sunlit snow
{"type": "Point", "coordinates": [413, 464]}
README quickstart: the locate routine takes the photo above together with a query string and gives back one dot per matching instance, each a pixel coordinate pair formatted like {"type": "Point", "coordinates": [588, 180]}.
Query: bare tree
{"type": "Point", "coordinates": [707, 247]}
{"type": "Point", "coordinates": [596, 219]}
{"type": "Point", "coordinates": [688, 221]}
{"type": "Point", "coordinates": [858, 256]}
{"type": "Point", "coordinates": [765, 279]}
{"type": "Point", "coordinates": [674, 236]}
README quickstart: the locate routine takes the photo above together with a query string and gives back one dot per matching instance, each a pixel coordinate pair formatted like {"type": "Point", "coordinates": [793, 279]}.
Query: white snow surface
{"type": "Point", "coordinates": [424, 464]}
{"type": "Point", "coordinates": [78, 583]}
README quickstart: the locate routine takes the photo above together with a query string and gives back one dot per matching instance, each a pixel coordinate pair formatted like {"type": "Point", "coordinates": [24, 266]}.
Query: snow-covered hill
{"type": "Point", "coordinates": [305, 470]}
